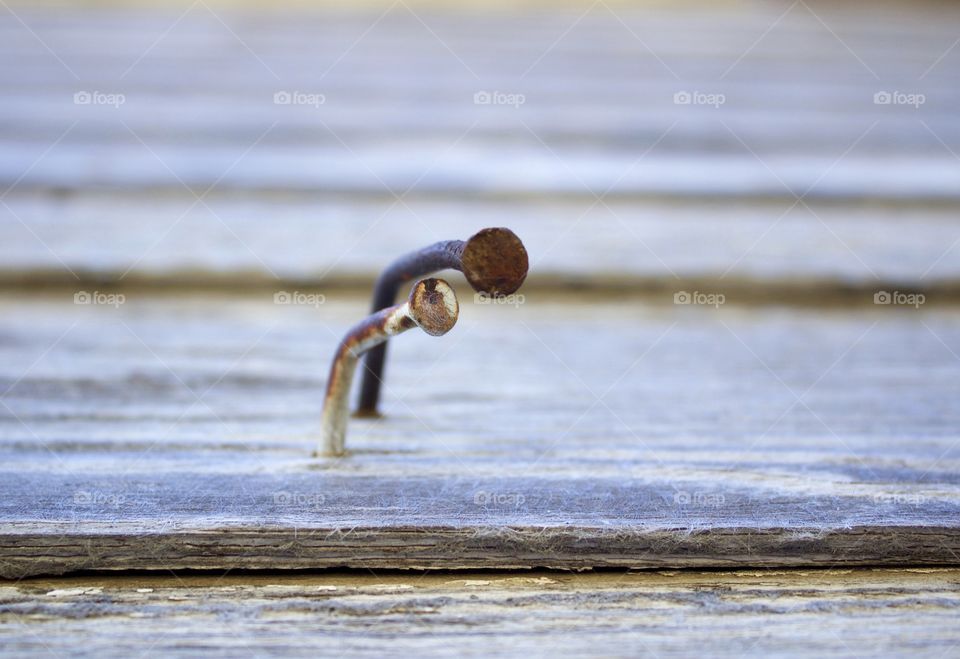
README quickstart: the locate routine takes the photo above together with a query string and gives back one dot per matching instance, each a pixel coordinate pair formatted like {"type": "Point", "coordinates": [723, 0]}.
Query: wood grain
{"type": "Point", "coordinates": [174, 432]}
{"type": "Point", "coordinates": [765, 251]}
{"type": "Point", "coordinates": [603, 78]}
{"type": "Point", "coordinates": [842, 613]}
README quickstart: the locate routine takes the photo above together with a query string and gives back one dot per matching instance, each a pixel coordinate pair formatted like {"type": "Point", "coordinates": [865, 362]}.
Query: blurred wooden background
{"type": "Point", "coordinates": [797, 175]}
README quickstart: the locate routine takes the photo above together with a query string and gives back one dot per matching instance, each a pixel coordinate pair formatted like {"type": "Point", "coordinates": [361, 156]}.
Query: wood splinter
{"type": "Point", "coordinates": [432, 306]}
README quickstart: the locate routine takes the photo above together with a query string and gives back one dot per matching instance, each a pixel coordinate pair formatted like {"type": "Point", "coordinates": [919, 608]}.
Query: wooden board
{"type": "Point", "coordinates": [770, 251]}
{"type": "Point", "coordinates": [692, 195]}
{"type": "Point", "coordinates": [592, 103]}
{"type": "Point", "coordinates": [740, 613]}
{"type": "Point", "coordinates": [796, 424]}
{"type": "Point", "coordinates": [174, 432]}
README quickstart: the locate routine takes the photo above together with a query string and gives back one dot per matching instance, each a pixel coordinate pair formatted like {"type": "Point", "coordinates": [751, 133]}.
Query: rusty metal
{"type": "Point", "coordinates": [432, 306]}
{"type": "Point", "coordinates": [494, 262]}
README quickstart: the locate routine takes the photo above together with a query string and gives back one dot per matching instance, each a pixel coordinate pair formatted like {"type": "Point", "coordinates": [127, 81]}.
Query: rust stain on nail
{"type": "Point", "coordinates": [495, 262]}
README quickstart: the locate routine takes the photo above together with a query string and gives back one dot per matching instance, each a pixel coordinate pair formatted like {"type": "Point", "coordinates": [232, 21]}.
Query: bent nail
{"type": "Point", "coordinates": [493, 260]}
{"type": "Point", "coordinates": [432, 306]}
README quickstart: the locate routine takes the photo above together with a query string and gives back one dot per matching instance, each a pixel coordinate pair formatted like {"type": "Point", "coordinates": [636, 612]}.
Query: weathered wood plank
{"type": "Point", "coordinates": [621, 123]}
{"type": "Point", "coordinates": [597, 97]}
{"type": "Point", "coordinates": [483, 168]}
{"type": "Point", "coordinates": [745, 250]}
{"type": "Point", "coordinates": [698, 29]}
{"type": "Point", "coordinates": [175, 432]}
{"type": "Point", "coordinates": [846, 613]}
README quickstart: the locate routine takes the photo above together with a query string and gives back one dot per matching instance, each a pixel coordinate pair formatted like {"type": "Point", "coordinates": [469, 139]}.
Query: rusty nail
{"type": "Point", "coordinates": [494, 262]}
{"type": "Point", "coordinates": [432, 306]}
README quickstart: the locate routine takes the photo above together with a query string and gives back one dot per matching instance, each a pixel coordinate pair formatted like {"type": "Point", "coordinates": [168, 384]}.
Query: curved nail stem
{"type": "Point", "coordinates": [432, 306]}
{"type": "Point", "coordinates": [493, 260]}
{"type": "Point", "coordinates": [439, 256]}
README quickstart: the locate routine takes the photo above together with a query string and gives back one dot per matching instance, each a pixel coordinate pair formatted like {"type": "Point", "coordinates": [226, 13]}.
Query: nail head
{"type": "Point", "coordinates": [495, 261]}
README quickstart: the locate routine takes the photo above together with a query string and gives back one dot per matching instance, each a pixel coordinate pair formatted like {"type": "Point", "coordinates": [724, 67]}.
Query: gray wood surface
{"type": "Point", "coordinates": [726, 614]}
{"type": "Point", "coordinates": [174, 432]}
{"type": "Point", "coordinates": [796, 424]}
{"type": "Point", "coordinates": [749, 251]}
{"type": "Point", "coordinates": [794, 436]}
